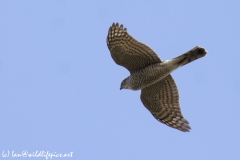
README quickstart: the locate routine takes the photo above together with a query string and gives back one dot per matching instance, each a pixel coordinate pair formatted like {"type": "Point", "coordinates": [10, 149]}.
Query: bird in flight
{"type": "Point", "coordinates": [159, 93]}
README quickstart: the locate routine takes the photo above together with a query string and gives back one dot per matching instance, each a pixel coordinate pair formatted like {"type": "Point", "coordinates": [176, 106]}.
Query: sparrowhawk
{"type": "Point", "coordinates": [159, 92]}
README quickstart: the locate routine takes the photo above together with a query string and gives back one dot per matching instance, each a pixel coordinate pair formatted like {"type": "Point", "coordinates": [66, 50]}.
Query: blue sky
{"type": "Point", "coordinates": [59, 87]}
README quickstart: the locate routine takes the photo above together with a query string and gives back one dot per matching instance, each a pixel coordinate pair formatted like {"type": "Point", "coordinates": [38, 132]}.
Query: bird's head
{"type": "Point", "coordinates": [125, 84]}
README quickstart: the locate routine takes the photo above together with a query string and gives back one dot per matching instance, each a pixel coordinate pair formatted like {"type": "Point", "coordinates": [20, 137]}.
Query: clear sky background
{"type": "Point", "coordinates": [59, 87]}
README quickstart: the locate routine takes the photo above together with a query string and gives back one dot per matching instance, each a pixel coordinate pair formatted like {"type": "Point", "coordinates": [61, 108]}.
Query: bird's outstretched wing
{"type": "Point", "coordinates": [128, 52]}
{"type": "Point", "coordinates": [162, 100]}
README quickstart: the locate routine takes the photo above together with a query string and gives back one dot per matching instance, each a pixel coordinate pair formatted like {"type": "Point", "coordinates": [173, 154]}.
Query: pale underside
{"type": "Point", "coordinates": [161, 98]}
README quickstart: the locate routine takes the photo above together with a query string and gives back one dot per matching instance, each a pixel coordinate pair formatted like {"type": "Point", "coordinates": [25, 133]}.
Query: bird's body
{"type": "Point", "coordinates": [156, 72]}
{"type": "Point", "coordinates": [159, 93]}
{"type": "Point", "coordinates": [147, 76]}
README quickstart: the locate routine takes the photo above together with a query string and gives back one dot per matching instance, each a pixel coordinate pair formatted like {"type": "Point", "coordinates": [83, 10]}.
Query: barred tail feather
{"type": "Point", "coordinates": [192, 55]}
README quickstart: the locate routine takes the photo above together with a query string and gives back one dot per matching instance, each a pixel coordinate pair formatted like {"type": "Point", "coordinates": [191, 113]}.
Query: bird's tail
{"type": "Point", "coordinates": [192, 55]}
